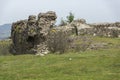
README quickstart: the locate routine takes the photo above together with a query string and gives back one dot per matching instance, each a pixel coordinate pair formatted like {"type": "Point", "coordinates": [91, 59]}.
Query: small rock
{"type": "Point", "coordinates": [40, 54]}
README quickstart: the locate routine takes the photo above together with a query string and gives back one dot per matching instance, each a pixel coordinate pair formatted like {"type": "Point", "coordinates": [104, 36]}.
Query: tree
{"type": "Point", "coordinates": [70, 17]}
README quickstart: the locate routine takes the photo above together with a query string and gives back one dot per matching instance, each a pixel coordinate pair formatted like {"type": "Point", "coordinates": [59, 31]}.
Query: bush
{"type": "Point", "coordinates": [81, 43]}
{"type": "Point", "coordinates": [57, 41]}
{"type": "Point", "coordinates": [61, 41]}
{"type": "Point", "coordinates": [70, 17]}
{"type": "Point", "coordinates": [4, 47]}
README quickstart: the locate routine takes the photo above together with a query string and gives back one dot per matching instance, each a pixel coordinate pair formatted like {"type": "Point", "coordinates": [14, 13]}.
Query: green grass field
{"type": "Point", "coordinates": [101, 64]}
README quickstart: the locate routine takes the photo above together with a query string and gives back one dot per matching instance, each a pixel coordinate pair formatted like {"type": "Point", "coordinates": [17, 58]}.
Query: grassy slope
{"type": "Point", "coordinates": [89, 65]}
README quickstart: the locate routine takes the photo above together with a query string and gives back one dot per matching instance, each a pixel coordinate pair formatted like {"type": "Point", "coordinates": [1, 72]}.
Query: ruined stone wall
{"type": "Point", "coordinates": [106, 29]}
{"type": "Point", "coordinates": [97, 29]}
{"type": "Point", "coordinates": [27, 34]}
{"type": "Point", "coordinates": [103, 29]}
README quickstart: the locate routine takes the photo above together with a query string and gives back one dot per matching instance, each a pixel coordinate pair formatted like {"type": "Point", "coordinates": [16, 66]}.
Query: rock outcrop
{"type": "Point", "coordinates": [27, 35]}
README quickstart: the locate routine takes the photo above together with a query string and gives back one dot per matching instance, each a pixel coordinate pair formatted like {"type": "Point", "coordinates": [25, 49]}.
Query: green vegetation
{"type": "Point", "coordinates": [70, 17]}
{"type": "Point", "coordinates": [90, 65]}
{"type": "Point", "coordinates": [112, 42]}
{"type": "Point", "coordinates": [102, 64]}
{"type": "Point", "coordinates": [57, 41]}
{"type": "Point", "coordinates": [4, 47]}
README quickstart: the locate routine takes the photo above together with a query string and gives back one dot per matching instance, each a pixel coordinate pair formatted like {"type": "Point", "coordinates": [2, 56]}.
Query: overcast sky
{"type": "Point", "coordinates": [91, 10]}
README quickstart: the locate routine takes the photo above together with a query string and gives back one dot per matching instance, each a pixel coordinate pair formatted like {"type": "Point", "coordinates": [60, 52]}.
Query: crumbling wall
{"type": "Point", "coordinates": [99, 29]}
{"type": "Point", "coordinates": [80, 27]}
{"type": "Point", "coordinates": [106, 29]}
{"type": "Point", "coordinates": [30, 36]}
{"type": "Point", "coordinates": [27, 34]}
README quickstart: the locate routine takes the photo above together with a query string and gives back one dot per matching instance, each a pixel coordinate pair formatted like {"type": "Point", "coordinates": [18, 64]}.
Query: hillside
{"type": "Point", "coordinates": [5, 31]}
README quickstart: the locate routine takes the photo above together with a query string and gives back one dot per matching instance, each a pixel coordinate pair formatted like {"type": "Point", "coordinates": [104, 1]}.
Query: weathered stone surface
{"type": "Point", "coordinates": [32, 18]}
{"type": "Point", "coordinates": [80, 27]}
{"type": "Point", "coordinates": [30, 36]}
{"type": "Point", "coordinates": [82, 21]}
{"type": "Point", "coordinates": [27, 34]}
{"type": "Point", "coordinates": [106, 29]}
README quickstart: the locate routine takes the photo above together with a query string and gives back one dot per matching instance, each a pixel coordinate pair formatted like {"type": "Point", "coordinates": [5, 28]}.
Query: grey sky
{"type": "Point", "coordinates": [91, 10]}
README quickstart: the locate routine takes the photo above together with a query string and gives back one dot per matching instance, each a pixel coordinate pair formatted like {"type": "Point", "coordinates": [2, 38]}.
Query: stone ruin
{"type": "Point", "coordinates": [106, 29]}
{"type": "Point", "coordinates": [97, 29]}
{"type": "Point", "coordinates": [29, 36]}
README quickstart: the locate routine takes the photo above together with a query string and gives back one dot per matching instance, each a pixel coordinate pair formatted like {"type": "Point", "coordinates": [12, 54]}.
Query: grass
{"type": "Point", "coordinates": [101, 64]}
{"type": "Point", "coordinates": [4, 47]}
{"type": "Point", "coordinates": [111, 41]}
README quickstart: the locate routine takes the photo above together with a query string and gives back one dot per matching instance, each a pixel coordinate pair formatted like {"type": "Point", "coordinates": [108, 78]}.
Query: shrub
{"type": "Point", "coordinates": [81, 43]}
{"type": "Point", "coordinates": [70, 17]}
{"type": "Point", "coordinates": [57, 41]}
{"type": "Point", "coordinates": [4, 47]}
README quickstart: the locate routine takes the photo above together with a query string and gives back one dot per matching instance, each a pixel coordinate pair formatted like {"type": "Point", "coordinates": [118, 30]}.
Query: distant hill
{"type": "Point", "coordinates": [5, 31]}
